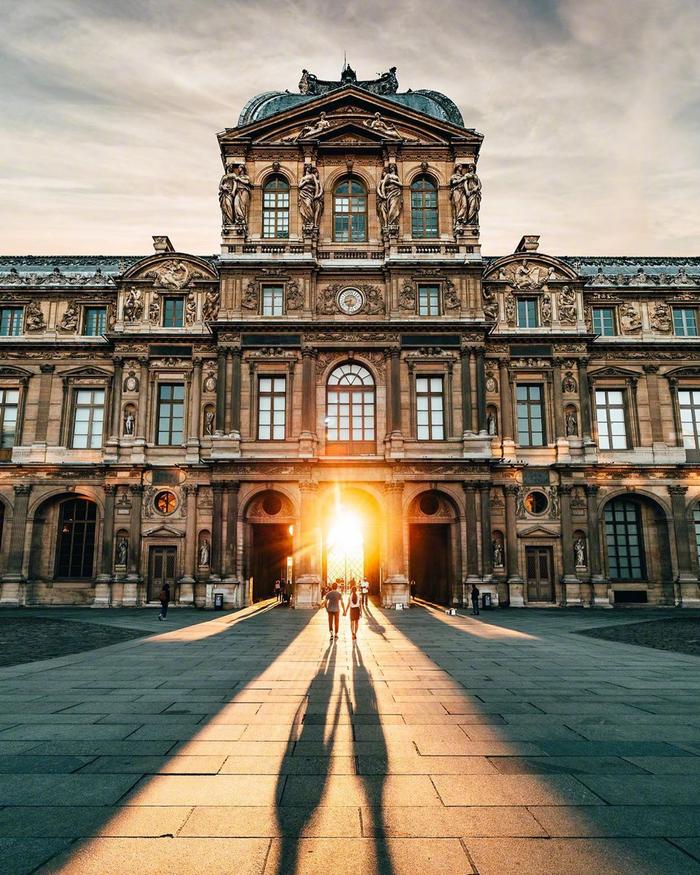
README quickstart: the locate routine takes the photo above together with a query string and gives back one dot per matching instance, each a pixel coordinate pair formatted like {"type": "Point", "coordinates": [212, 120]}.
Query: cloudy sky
{"type": "Point", "coordinates": [590, 110]}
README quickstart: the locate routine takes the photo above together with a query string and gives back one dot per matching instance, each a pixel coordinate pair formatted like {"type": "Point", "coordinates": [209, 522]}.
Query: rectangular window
{"type": "Point", "coordinates": [429, 409]}
{"type": "Point", "coordinates": [171, 414]}
{"type": "Point", "coordinates": [527, 313]}
{"type": "Point", "coordinates": [685, 321]}
{"type": "Point", "coordinates": [623, 536]}
{"type": "Point", "coordinates": [531, 432]}
{"type": "Point", "coordinates": [272, 408]}
{"type": "Point", "coordinates": [95, 321]}
{"type": "Point", "coordinates": [273, 300]}
{"type": "Point", "coordinates": [11, 319]}
{"type": "Point", "coordinates": [696, 521]}
{"type": "Point", "coordinates": [610, 414]}
{"type": "Point", "coordinates": [173, 312]}
{"type": "Point", "coordinates": [689, 408]}
{"type": "Point", "coordinates": [9, 406]}
{"type": "Point", "coordinates": [604, 321]}
{"type": "Point", "coordinates": [88, 418]}
{"type": "Point", "coordinates": [428, 300]}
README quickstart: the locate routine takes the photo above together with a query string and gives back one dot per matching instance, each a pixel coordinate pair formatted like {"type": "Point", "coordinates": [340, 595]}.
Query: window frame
{"type": "Point", "coordinates": [351, 446]}
{"type": "Point", "coordinates": [624, 406]}
{"type": "Point", "coordinates": [683, 313]}
{"type": "Point", "coordinates": [530, 404]}
{"type": "Point", "coordinates": [435, 298]}
{"type": "Point", "coordinates": [430, 394]}
{"type": "Point", "coordinates": [275, 210]}
{"type": "Point", "coordinates": [613, 320]}
{"type": "Point", "coordinates": [273, 393]}
{"type": "Point", "coordinates": [93, 308]}
{"type": "Point", "coordinates": [350, 180]}
{"type": "Point", "coordinates": [91, 406]}
{"type": "Point", "coordinates": [623, 540]}
{"type": "Point", "coordinates": [86, 572]}
{"type": "Point", "coordinates": [161, 402]}
{"type": "Point", "coordinates": [16, 320]}
{"type": "Point", "coordinates": [528, 299]}
{"type": "Point", "coordinates": [422, 210]}
{"type": "Point", "coordinates": [694, 418]}
{"type": "Point", "coordinates": [178, 300]}
{"type": "Point", "coordinates": [18, 410]}
{"type": "Point", "coordinates": [274, 287]}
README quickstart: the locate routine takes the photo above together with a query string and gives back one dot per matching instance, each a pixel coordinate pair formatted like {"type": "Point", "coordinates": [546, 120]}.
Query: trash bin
{"type": "Point", "coordinates": [486, 601]}
{"type": "Point", "coordinates": [218, 601]}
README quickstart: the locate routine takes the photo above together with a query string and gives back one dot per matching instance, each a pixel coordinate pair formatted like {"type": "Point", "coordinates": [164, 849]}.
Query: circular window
{"type": "Point", "coordinates": [165, 502]}
{"type": "Point", "coordinates": [429, 504]}
{"type": "Point", "coordinates": [536, 502]}
{"type": "Point", "coordinates": [272, 504]}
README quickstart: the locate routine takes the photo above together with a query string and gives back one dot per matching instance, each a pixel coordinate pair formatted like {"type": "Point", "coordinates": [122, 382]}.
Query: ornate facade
{"type": "Point", "coordinates": [530, 423]}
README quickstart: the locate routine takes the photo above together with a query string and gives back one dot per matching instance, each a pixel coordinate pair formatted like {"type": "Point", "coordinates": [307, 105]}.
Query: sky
{"type": "Point", "coordinates": [110, 108]}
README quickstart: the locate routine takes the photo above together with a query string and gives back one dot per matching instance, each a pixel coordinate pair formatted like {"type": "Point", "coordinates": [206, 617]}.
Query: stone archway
{"type": "Point", "coordinates": [434, 547]}
{"type": "Point", "coordinates": [268, 536]}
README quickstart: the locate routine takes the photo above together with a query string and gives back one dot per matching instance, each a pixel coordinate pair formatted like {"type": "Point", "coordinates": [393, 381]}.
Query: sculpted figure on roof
{"type": "Point", "coordinates": [311, 130]}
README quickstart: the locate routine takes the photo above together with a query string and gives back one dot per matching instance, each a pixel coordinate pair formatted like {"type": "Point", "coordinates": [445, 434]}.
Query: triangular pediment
{"type": "Point", "coordinates": [347, 106]}
{"type": "Point", "coordinates": [612, 371]}
{"type": "Point", "coordinates": [163, 532]}
{"type": "Point", "coordinates": [538, 532]}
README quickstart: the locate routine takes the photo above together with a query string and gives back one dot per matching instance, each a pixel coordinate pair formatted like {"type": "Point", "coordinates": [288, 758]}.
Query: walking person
{"type": "Point", "coordinates": [354, 605]}
{"type": "Point", "coordinates": [164, 599]}
{"type": "Point", "coordinates": [334, 604]}
{"type": "Point", "coordinates": [364, 591]}
{"type": "Point", "coordinates": [278, 589]}
{"type": "Point", "coordinates": [475, 600]}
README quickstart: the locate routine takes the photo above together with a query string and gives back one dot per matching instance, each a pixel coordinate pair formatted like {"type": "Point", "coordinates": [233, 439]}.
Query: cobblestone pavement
{"type": "Point", "coordinates": [436, 744]}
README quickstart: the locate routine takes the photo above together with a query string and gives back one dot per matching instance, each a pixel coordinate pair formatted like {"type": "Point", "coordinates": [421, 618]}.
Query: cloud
{"type": "Point", "coordinates": [589, 109]}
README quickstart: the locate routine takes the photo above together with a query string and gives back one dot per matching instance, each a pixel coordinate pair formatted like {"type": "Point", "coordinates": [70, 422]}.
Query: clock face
{"type": "Point", "coordinates": [351, 301]}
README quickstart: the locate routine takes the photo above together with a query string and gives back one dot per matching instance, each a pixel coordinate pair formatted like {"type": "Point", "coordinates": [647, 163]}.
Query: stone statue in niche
{"type": "Point", "coordinates": [459, 198]}
{"type": "Point", "coordinates": [571, 423]}
{"type": "Point", "coordinates": [129, 422]}
{"type": "Point", "coordinates": [389, 200]}
{"type": "Point", "coordinates": [133, 305]}
{"type": "Point", "coordinates": [567, 305]}
{"type": "Point", "coordinates": [497, 553]}
{"type": "Point", "coordinates": [33, 317]}
{"type": "Point", "coordinates": [491, 424]}
{"type": "Point", "coordinates": [490, 303]}
{"type": "Point", "coordinates": [209, 417]}
{"type": "Point", "coordinates": [310, 200]}
{"type": "Point", "coordinates": [122, 551]}
{"type": "Point", "coordinates": [204, 553]}
{"type": "Point", "coordinates": [472, 185]}
{"type": "Point", "coordinates": [190, 309]}
{"type": "Point", "coordinates": [580, 552]}
{"type": "Point", "coordinates": [154, 311]}
{"type": "Point", "coordinates": [71, 317]}
{"type": "Point", "coordinates": [630, 323]}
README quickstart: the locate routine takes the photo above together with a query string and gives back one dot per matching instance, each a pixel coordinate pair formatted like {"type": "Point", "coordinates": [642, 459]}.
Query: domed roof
{"type": "Point", "coordinates": [430, 103]}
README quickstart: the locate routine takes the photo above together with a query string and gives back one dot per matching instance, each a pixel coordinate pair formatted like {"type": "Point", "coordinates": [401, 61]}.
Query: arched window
{"type": "Point", "coordinates": [350, 211]}
{"type": "Point", "coordinates": [75, 551]}
{"type": "Point", "coordinates": [350, 426]}
{"type": "Point", "coordinates": [424, 208]}
{"type": "Point", "coordinates": [276, 207]}
{"type": "Point", "coordinates": [624, 539]}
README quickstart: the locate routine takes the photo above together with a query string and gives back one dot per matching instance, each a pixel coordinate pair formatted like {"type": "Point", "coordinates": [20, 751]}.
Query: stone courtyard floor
{"type": "Point", "coordinates": [244, 742]}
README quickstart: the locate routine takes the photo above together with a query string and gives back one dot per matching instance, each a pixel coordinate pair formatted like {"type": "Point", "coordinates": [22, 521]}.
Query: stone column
{"type": "Point", "coordinates": [116, 427]}
{"type": "Point", "coordinates": [231, 553]}
{"type": "Point", "coordinates": [687, 594]}
{"type": "Point", "coordinates": [559, 419]}
{"type": "Point", "coordinates": [584, 392]}
{"type": "Point", "coordinates": [395, 365]}
{"type": "Point", "coordinates": [228, 422]}
{"type": "Point", "coordinates": [188, 578]}
{"type": "Point", "coordinates": [308, 437]}
{"type": "Point", "coordinates": [133, 578]}
{"type": "Point", "coordinates": [220, 390]}
{"type": "Point", "coordinates": [236, 392]}
{"type": "Point", "coordinates": [480, 390]}
{"type": "Point", "coordinates": [307, 585]}
{"type": "Point", "coordinates": [570, 584]}
{"type": "Point", "coordinates": [44, 405]}
{"type": "Point", "coordinates": [395, 588]}
{"type": "Point", "coordinates": [507, 434]}
{"type": "Point", "coordinates": [104, 578]}
{"type": "Point", "coordinates": [195, 403]}
{"type": "Point", "coordinates": [465, 356]}
{"type": "Point", "coordinates": [13, 577]}
{"type": "Point", "coordinates": [486, 537]}
{"type": "Point", "coordinates": [599, 586]}
{"type": "Point", "coordinates": [472, 549]}
{"type": "Point", "coordinates": [515, 581]}
{"type": "Point", "coordinates": [657, 429]}
{"type": "Point", "coordinates": [143, 401]}
{"type": "Point", "coordinates": [216, 522]}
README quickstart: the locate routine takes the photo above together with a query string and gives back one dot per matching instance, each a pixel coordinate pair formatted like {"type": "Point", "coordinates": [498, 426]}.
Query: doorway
{"type": "Point", "coordinates": [162, 562]}
{"type": "Point", "coordinates": [272, 545]}
{"type": "Point", "coordinates": [429, 561]}
{"type": "Point", "coordinates": [540, 581]}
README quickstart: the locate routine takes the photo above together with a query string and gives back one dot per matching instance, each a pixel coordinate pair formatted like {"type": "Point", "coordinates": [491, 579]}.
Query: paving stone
{"type": "Point", "coordinates": [619, 820]}
{"type": "Point", "coordinates": [63, 789]}
{"type": "Point", "coordinates": [27, 764]}
{"type": "Point", "coordinates": [428, 822]}
{"type": "Point", "coordinates": [81, 821]}
{"type": "Point", "coordinates": [356, 790]}
{"type": "Point", "coordinates": [689, 765]}
{"type": "Point", "coordinates": [568, 765]}
{"type": "Point", "coordinates": [513, 790]}
{"type": "Point", "coordinates": [644, 790]}
{"type": "Point", "coordinates": [20, 856]}
{"type": "Point", "coordinates": [205, 790]}
{"type": "Point", "coordinates": [324, 821]}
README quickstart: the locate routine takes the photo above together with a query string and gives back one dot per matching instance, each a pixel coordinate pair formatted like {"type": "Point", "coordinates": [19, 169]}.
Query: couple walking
{"type": "Point", "coordinates": [333, 601]}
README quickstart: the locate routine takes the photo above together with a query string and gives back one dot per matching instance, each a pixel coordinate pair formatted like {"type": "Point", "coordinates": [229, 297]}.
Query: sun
{"type": "Point", "coordinates": [345, 547]}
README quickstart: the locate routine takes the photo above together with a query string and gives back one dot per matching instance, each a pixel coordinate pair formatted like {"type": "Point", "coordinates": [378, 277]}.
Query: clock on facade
{"type": "Point", "coordinates": [351, 301]}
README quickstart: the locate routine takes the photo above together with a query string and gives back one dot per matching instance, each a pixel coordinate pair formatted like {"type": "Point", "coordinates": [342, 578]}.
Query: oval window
{"type": "Point", "coordinates": [272, 505]}
{"type": "Point", "coordinates": [165, 502]}
{"type": "Point", "coordinates": [429, 504]}
{"type": "Point", "coordinates": [536, 502]}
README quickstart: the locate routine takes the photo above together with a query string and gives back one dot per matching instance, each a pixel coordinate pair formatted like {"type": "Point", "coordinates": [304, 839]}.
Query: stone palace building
{"type": "Point", "coordinates": [349, 388]}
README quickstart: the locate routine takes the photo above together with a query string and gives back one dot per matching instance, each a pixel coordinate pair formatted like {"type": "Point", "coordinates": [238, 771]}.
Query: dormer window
{"type": "Point", "coordinates": [424, 208]}
{"type": "Point", "coordinates": [173, 312]}
{"type": "Point", "coordinates": [350, 211]}
{"type": "Point", "coordinates": [276, 208]}
{"type": "Point", "coordinates": [527, 313]}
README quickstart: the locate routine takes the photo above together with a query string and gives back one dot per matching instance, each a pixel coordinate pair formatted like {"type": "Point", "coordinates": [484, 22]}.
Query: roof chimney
{"type": "Point", "coordinates": [528, 243]}
{"type": "Point", "coordinates": [162, 244]}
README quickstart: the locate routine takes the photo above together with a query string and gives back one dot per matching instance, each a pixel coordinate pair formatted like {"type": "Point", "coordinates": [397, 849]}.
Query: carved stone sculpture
{"type": "Point", "coordinates": [71, 318]}
{"type": "Point", "coordinates": [497, 553]}
{"type": "Point", "coordinates": [204, 553]}
{"type": "Point", "coordinates": [294, 296]}
{"type": "Point", "coordinates": [546, 309]}
{"type": "Point", "coordinates": [472, 185]}
{"type": "Point", "coordinates": [154, 311]}
{"type": "Point", "coordinates": [34, 318]}
{"type": "Point", "coordinates": [510, 308]}
{"type": "Point", "coordinates": [389, 200]}
{"type": "Point", "coordinates": [210, 307]}
{"type": "Point", "coordinates": [490, 303]}
{"type": "Point", "coordinates": [491, 424]}
{"type": "Point", "coordinates": [122, 551]}
{"type": "Point", "coordinates": [131, 384]}
{"type": "Point", "coordinates": [311, 130]}
{"type": "Point", "coordinates": [377, 123]}
{"type": "Point", "coordinates": [133, 305]}
{"type": "Point", "coordinates": [226, 186]}
{"type": "Point", "coordinates": [630, 323]}
{"type": "Point", "coordinates": [568, 384]}
{"type": "Point", "coordinates": [571, 423]}
{"type": "Point", "coordinates": [459, 198]}
{"type": "Point", "coordinates": [580, 552]}
{"type": "Point", "coordinates": [190, 309]}
{"type": "Point", "coordinates": [450, 296]}
{"type": "Point", "coordinates": [660, 319]}
{"type": "Point", "coordinates": [209, 417]}
{"type": "Point", "coordinates": [407, 296]}
{"type": "Point", "coordinates": [310, 200]}
{"type": "Point", "coordinates": [129, 422]}
{"type": "Point", "coordinates": [250, 297]}
{"type": "Point", "coordinates": [234, 198]}
{"type": "Point", "coordinates": [567, 305]}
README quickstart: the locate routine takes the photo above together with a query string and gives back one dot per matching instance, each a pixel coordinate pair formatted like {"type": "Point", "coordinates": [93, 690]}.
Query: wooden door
{"type": "Point", "coordinates": [161, 570]}
{"type": "Point", "coordinates": [540, 581]}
